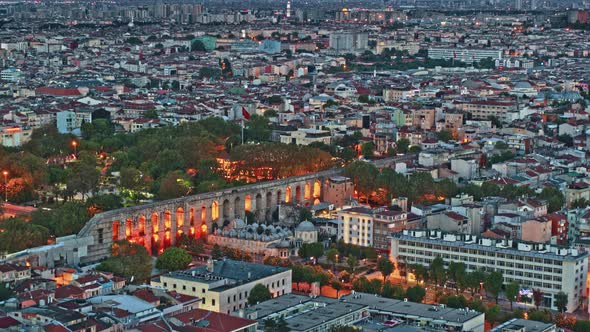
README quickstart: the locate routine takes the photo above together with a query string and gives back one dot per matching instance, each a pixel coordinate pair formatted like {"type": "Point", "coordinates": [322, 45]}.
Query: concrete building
{"type": "Point", "coordinates": [387, 222]}
{"type": "Point", "coordinates": [464, 54]}
{"type": "Point", "coordinates": [224, 286]}
{"type": "Point", "coordinates": [306, 137]}
{"type": "Point", "coordinates": [524, 325]}
{"type": "Point", "coordinates": [437, 318]}
{"type": "Point", "coordinates": [541, 266]}
{"type": "Point", "coordinates": [306, 314]}
{"type": "Point", "coordinates": [349, 41]}
{"type": "Point", "coordinates": [337, 190]}
{"type": "Point", "coordinates": [15, 136]}
{"type": "Point", "coordinates": [536, 230]}
{"type": "Point", "coordinates": [466, 168]}
{"type": "Point", "coordinates": [355, 226]}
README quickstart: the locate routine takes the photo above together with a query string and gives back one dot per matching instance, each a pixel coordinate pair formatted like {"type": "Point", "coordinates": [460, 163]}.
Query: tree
{"type": "Point", "coordinates": [415, 294]}
{"type": "Point", "coordinates": [309, 250]}
{"type": "Point", "coordinates": [337, 285]}
{"type": "Point", "coordinates": [84, 178]}
{"type": "Point", "coordinates": [174, 184]}
{"type": "Point", "coordinates": [305, 215]}
{"type": "Point", "coordinates": [216, 252]}
{"type": "Point", "coordinates": [332, 257]}
{"type": "Point", "coordinates": [457, 274]}
{"type": "Point", "coordinates": [437, 271]}
{"type": "Point", "coordinates": [5, 293]}
{"type": "Point", "coordinates": [17, 235]}
{"type": "Point", "coordinates": [473, 280]}
{"type": "Point", "coordinates": [512, 290]}
{"type": "Point", "coordinates": [173, 259]}
{"type": "Point", "coordinates": [352, 263]}
{"type": "Point", "coordinates": [259, 293]}
{"type": "Point", "coordinates": [444, 135]}
{"type": "Point", "coordinates": [258, 128]}
{"type": "Point", "coordinates": [198, 46]}
{"type": "Point", "coordinates": [368, 150]}
{"type": "Point", "coordinates": [561, 301]}
{"type": "Point", "coordinates": [67, 219]}
{"type": "Point", "coordinates": [363, 175]}
{"type": "Point", "coordinates": [129, 260]}
{"type": "Point", "coordinates": [190, 244]}
{"type": "Point", "coordinates": [493, 315]}
{"type": "Point", "coordinates": [402, 145]}
{"type": "Point", "coordinates": [582, 326]}
{"type": "Point", "coordinates": [566, 139]}
{"type": "Point", "coordinates": [554, 198]}
{"type": "Point", "coordinates": [385, 266]}
{"type": "Point", "coordinates": [276, 325]}
{"type": "Point", "coordinates": [537, 297]}
{"type": "Point", "coordinates": [493, 284]}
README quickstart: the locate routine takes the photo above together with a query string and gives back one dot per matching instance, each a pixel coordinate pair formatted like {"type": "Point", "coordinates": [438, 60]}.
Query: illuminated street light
{"type": "Point", "coordinates": [75, 145]}
{"type": "Point", "coordinates": [5, 185]}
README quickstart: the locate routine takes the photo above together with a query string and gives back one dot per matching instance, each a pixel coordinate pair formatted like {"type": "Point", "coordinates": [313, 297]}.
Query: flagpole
{"type": "Point", "coordinates": [242, 130]}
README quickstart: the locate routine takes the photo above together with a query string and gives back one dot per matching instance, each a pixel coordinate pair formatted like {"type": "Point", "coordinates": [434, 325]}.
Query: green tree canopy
{"type": "Point", "coordinates": [259, 293]}
{"type": "Point", "coordinates": [129, 260]}
{"type": "Point", "coordinates": [173, 259]}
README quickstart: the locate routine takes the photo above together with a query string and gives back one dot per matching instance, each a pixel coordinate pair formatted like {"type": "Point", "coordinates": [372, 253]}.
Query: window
{"type": "Point", "coordinates": [213, 302]}
{"type": "Point", "coordinates": [203, 290]}
{"type": "Point", "coordinates": [183, 287]}
{"type": "Point", "coordinates": [174, 286]}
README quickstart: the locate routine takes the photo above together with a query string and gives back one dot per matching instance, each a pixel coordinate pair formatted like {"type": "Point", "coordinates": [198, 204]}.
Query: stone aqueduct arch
{"type": "Point", "coordinates": [158, 225]}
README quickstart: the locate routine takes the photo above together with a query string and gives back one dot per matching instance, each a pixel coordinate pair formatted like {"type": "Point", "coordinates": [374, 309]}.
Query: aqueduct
{"type": "Point", "coordinates": [157, 225]}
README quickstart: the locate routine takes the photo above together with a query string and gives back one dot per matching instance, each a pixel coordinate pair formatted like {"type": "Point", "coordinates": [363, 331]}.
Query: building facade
{"type": "Point", "coordinates": [540, 266]}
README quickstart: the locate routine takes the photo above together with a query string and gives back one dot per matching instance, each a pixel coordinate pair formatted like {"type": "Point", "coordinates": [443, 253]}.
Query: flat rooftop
{"type": "Point", "coordinates": [302, 312]}
{"type": "Point", "coordinates": [518, 324]}
{"type": "Point", "coordinates": [238, 271]}
{"type": "Point", "coordinates": [412, 309]}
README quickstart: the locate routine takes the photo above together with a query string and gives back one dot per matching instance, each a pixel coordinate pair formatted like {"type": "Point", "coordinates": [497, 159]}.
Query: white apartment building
{"type": "Point", "coordinates": [464, 54]}
{"type": "Point", "coordinates": [535, 266]}
{"type": "Point", "coordinates": [355, 226]}
{"type": "Point", "coordinates": [224, 286]}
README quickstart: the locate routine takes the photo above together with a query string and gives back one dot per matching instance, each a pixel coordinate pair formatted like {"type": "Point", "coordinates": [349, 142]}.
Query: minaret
{"type": "Point", "coordinates": [288, 14]}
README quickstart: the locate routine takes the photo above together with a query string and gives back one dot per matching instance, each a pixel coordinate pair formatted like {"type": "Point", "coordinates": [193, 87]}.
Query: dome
{"type": "Point", "coordinates": [239, 224]}
{"type": "Point", "coordinates": [305, 226]}
{"type": "Point", "coordinates": [284, 244]}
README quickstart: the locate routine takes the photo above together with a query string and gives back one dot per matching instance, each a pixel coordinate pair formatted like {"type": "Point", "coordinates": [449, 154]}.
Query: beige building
{"type": "Point", "coordinates": [338, 190]}
{"type": "Point", "coordinates": [306, 137]}
{"type": "Point", "coordinates": [536, 231]}
{"type": "Point", "coordinates": [355, 226]}
{"type": "Point", "coordinates": [224, 286]}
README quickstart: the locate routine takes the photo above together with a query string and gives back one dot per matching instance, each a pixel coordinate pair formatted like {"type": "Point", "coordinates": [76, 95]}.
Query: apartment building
{"type": "Point", "coordinates": [540, 266]}
{"type": "Point", "coordinates": [355, 226]}
{"type": "Point", "coordinates": [224, 286]}
{"type": "Point", "coordinates": [464, 54]}
{"type": "Point", "coordinates": [505, 111]}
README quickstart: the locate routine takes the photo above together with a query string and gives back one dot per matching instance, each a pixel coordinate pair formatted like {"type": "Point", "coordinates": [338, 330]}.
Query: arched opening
{"type": "Point", "coordinates": [317, 189]}
{"type": "Point", "coordinates": [178, 234]}
{"type": "Point", "coordinates": [225, 208]}
{"type": "Point", "coordinates": [155, 223]}
{"type": "Point", "coordinates": [179, 217]}
{"type": "Point", "coordinates": [268, 200]}
{"type": "Point", "coordinates": [279, 197]}
{"type": "Point", "coordinates": [316, 201]}
{"type": "Point", "coordinates": [167, 220]}
{"type": "Point", "coordinates": [203, 214]}
{"type": "Point", "coordinates": [288, 195]}
{"type": "Point", "coordinates": [214, 210]}
{"type": "Point", "coordinates": [298, 194]}
{"type": "Point", "coordinates": [155, 244]}
{"type": "Point", "coordinates": [191, 216]}
{"type": "Point", "coordinates": [307, 191]}
{"type": "Point", "coordinates": [115, 229]}
{"type": "Point", "coordinates": [141, 225]}
{"type": "Point", "coordinates": [248, 203]}
{"type": "Point", "coordinates": [258, 202]}
{"type": "Point", "coordinates": [237, 207]}
{"type": "Point", "coordinates": [204, 229]}
{"type": "Point", "coordinates": [128, 228]}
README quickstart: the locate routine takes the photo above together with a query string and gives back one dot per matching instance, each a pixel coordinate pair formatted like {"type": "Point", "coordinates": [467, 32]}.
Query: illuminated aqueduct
{"type": "Point", "coordinates": [158, 225]}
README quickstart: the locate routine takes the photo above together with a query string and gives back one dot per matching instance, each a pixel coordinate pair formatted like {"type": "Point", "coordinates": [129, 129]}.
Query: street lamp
{"type": "Point", "coordinates": [75, 145]}
{"type": "Point", "coordinates": [5, 185]}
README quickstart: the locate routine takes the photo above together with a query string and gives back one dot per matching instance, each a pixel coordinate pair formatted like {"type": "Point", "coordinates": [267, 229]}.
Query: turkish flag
{"type": "Point", "coordinates": [245, 113]}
